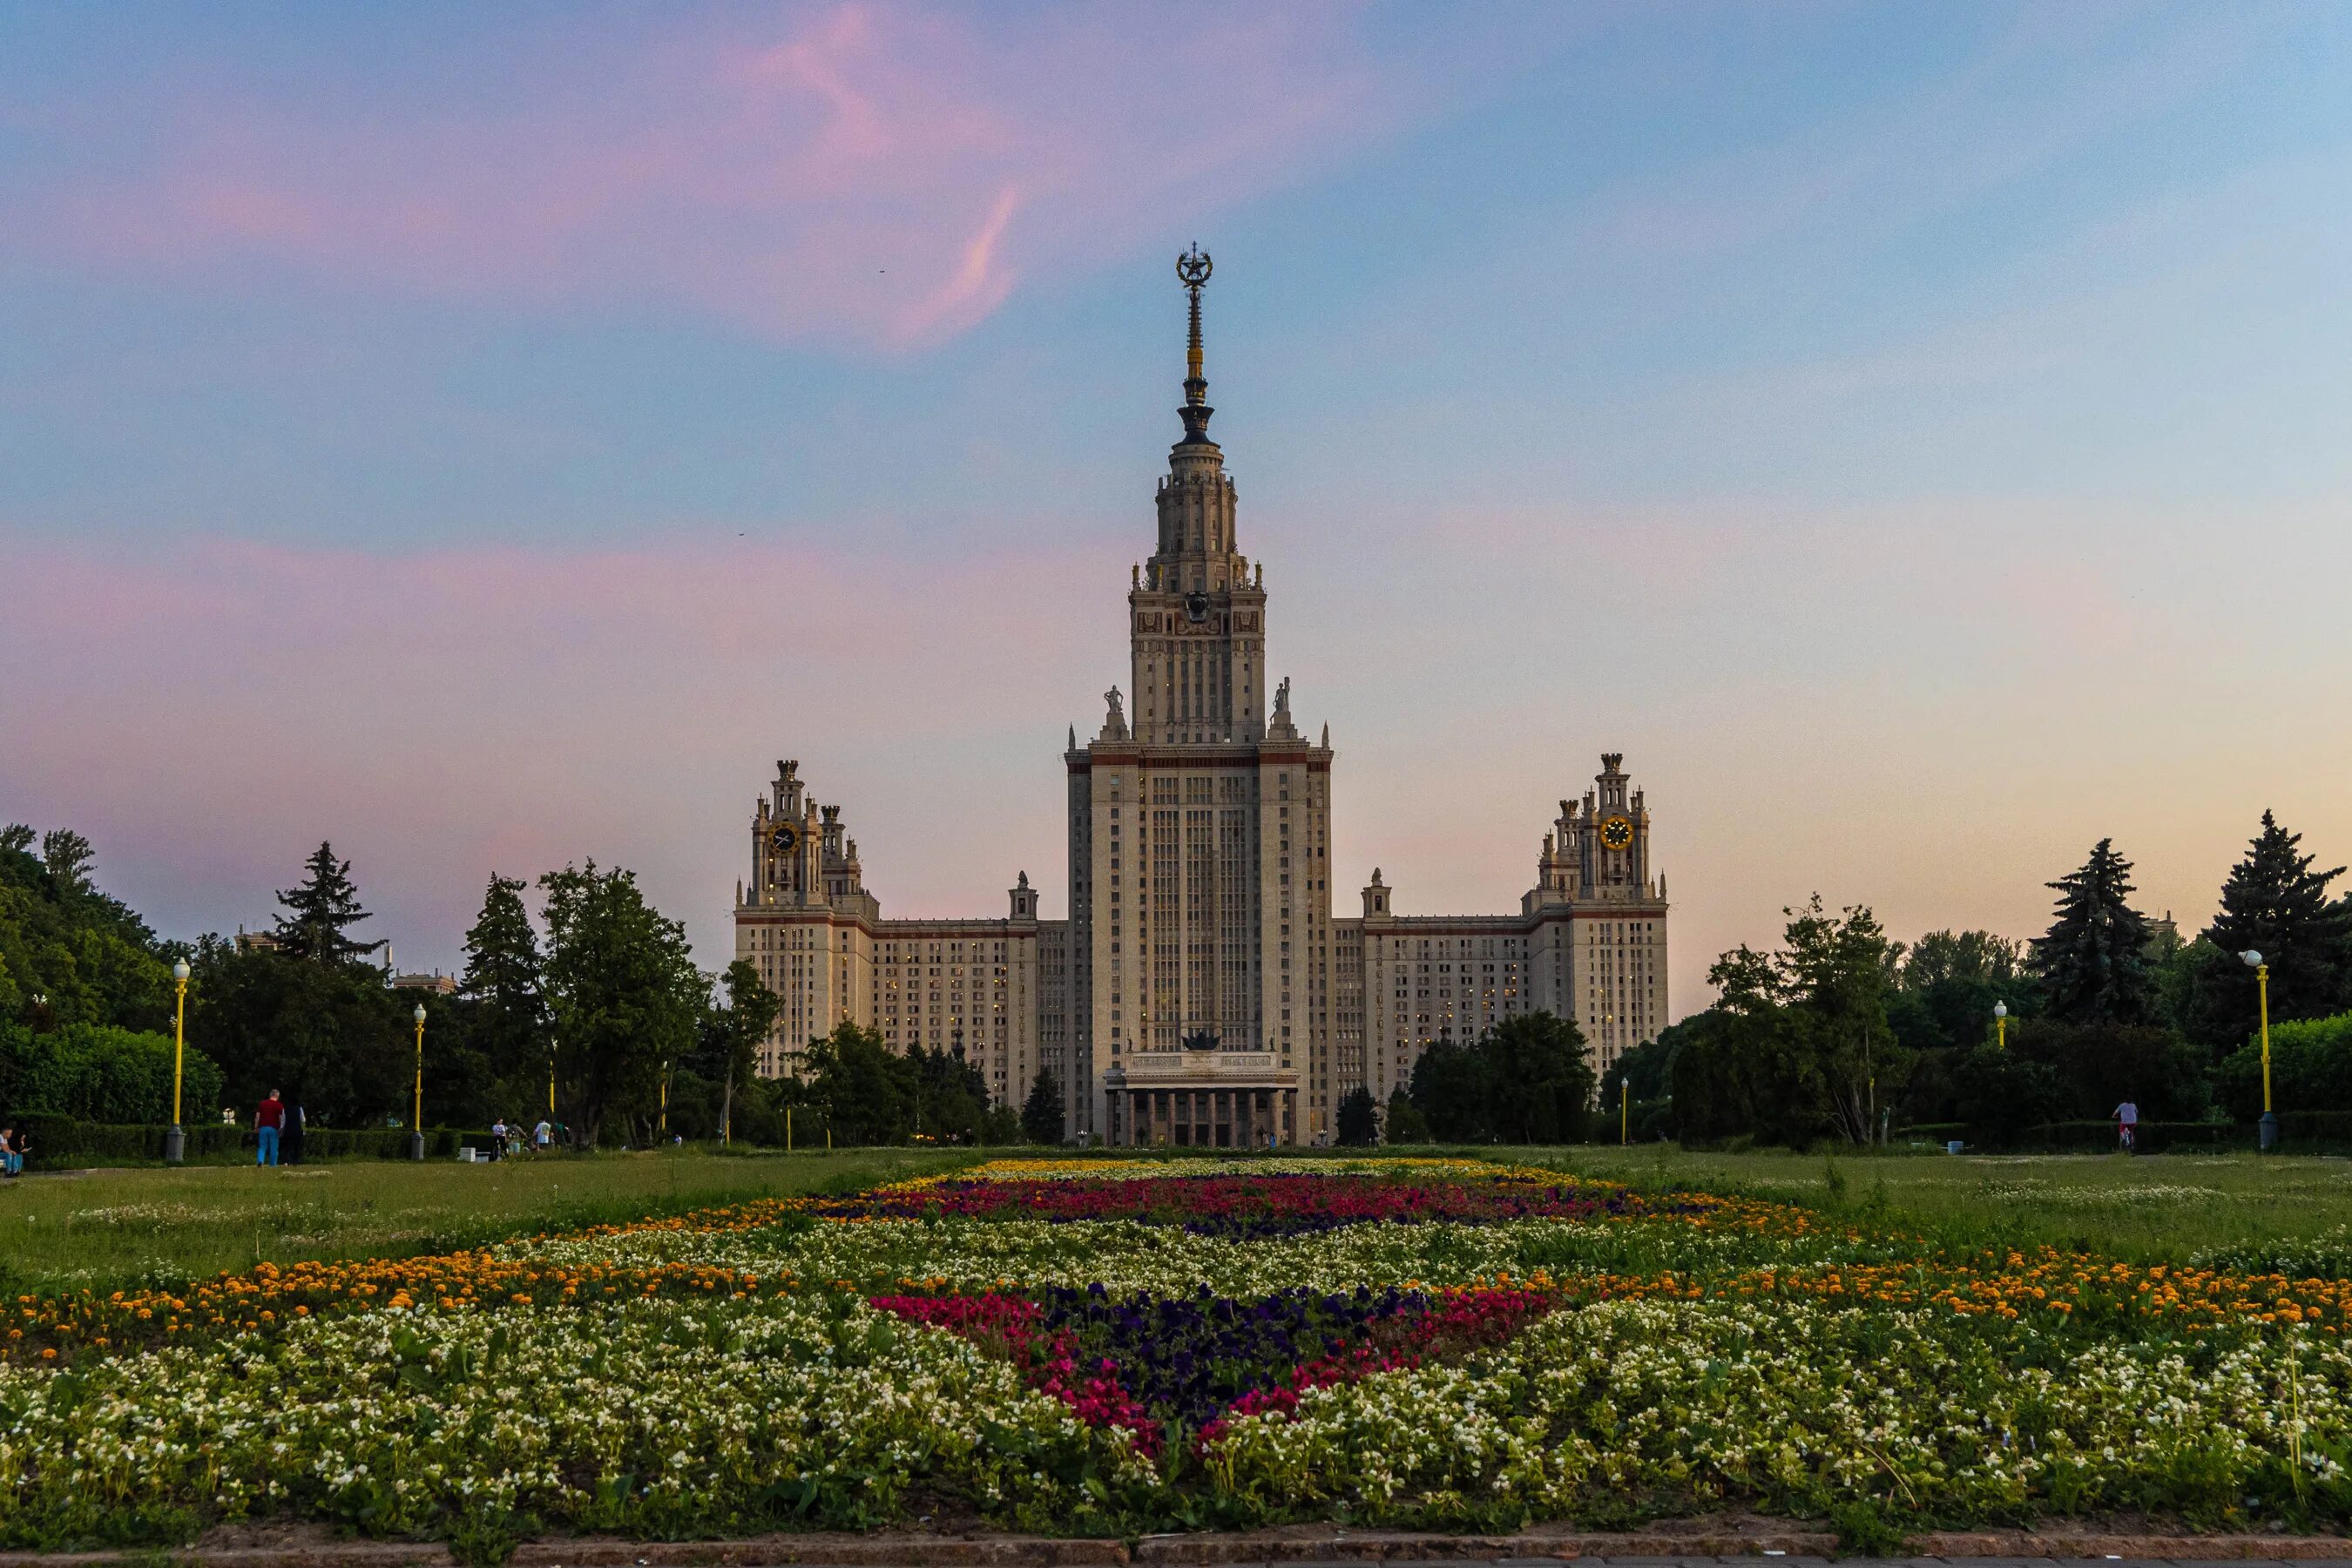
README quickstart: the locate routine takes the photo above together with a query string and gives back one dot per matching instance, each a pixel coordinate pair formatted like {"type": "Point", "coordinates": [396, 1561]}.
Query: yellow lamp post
{"type": "Point", "coordinates": [1625, 1110]}
{"type": "Point", "coordinates": [416, 1114]}
{"type": "Point", "coordinates": [788, 1129]}
{"type": "Point", "coordinates": [175, 1141]}
{"type": "Point", "coordinates": [662, 1127]}
{"type": "Point", "coordinates": [2254, 960]}
{"type": "Point", "coordinates": [2000, 1025]}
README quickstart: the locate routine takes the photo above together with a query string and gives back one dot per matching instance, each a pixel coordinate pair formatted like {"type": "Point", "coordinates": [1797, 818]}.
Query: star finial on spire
{"type": "Point", "coordinates": [1193, 270]}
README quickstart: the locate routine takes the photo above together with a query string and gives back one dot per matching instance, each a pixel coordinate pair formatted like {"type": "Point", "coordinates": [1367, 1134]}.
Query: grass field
{"type": "Point", "coordinates": [2157, 1208]}
{"type": "Point", "coordinates": [115, 1228]}
{"type": "Point", "coordinates": [109, 1229]}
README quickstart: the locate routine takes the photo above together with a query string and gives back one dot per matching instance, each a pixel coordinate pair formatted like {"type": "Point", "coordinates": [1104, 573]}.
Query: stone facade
{"type": "Point", "coordinates": [1201, 990]}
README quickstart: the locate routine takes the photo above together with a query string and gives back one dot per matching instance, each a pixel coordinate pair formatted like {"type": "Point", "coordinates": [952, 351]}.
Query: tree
{"type": "Point", "coordinates": [1359, 1119]}
{"type": "Point", "coordinates": [320, 912]}
{"type": "Point", "coordinates": [622, 992]}
{"type": "Point", "coordinates": [1449, 1090]}
{"type": "Point", "coordinates": [951, 1094]}
{"type": "Point", "coordinates": [93, 959]}
{"type": "Point", "coordinates": [1539, 1083]}
{"type": "Point", "coordinates": [1746, 1072]}
{"type": "Point", "coordinates": [737, 1031]}
{"type": "Point", "coordinates": [866, 1094]}
{"type": "Point", "coordinates": [67, 856]}
{"type": "Point", "coordinates": [1839, 970]}
{"type": "Point", "coordinates": [2272, 903]}
{"type": "Point", "coordinates": [2098, 1066]}
{"type": "Point", "coordinates": [1798, 1041]}
{"type": "Point", "coordinates": [1646, 1075]}
{"type": "Point", "coordinates": [1041, 1115]}
{"type": "Point", "coordinates": [1943, 956]}
{"type": "Point", "coordinates": [1403, 1122]}
{"type": "Point", "coordinates": [2094, 963]}
{"type": "Point", "coordinates": [503, 979]}
{"type": "Point", "coordinates": [334, 1038]}
{"type": "Point", "coordinates": [2011, 1090]}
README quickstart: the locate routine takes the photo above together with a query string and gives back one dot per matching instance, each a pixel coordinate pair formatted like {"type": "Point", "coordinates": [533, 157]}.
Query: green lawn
{"type": "Point", "coordinates": [109, 1228]}
{"type": "Point", "coordinates": [2161, 1207]}
{"type": "Point", "coordinates": [106, 1229]}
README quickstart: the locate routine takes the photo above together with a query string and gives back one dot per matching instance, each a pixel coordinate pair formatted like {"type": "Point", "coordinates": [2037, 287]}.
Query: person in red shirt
{"type": "Point", "coordinates": [266, 1121]}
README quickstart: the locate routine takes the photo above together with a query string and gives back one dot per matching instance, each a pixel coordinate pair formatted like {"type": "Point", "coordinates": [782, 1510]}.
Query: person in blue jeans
{"type": "Point", "coordinates": [266, 1121]}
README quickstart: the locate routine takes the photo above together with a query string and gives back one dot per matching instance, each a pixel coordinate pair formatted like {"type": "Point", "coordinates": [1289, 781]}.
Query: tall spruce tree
{"type": "Point", "coordinates": [1041, 1117]}
{"type": "Point", "coordinates": [503, 964]}
{"type": "Point", "coordinates": [322, 911]}
{"type": "Point", "coordinates": [2094, 962]}
{"type": "Point", "coordinates": [2274, 903]}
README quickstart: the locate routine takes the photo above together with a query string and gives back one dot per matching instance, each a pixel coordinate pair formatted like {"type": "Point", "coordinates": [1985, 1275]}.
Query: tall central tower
{"type": "Point", "coordinates": [1196, 621]}
{"type": "Point", "coordinates": [1199, 895]}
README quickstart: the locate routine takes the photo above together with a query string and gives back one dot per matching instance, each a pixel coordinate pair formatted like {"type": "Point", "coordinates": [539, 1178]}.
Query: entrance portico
{"type": "Point", "coordinates": [1202, 1099]}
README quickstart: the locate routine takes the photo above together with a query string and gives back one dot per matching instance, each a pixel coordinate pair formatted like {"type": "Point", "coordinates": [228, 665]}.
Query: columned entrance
{"type": "Point", "coordinates": [1202, 1099]}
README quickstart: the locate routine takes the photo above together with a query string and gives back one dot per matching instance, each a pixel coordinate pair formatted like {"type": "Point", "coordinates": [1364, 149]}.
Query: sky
{"type": "Point", "coordinates": [488, 437]}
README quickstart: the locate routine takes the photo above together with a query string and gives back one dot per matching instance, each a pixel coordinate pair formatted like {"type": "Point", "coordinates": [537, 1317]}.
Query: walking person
{"type": "Point", "coordinates": [290, 1139]}
{"type": "Point", "coordinates": [541, 1136]}
{"type": "Point", "coordinates": [498, 1138]}
{"type": "Point", "coordinates": [268, 1118]}
{"type": "Point", "coordinates": [2126, 1117]}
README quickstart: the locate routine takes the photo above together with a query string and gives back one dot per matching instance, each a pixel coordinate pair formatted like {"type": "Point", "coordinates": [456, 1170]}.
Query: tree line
{"type": "Point", "coordinates": [587, 1010]}
{"type": "Point", "coordinates": [1842, 1033]}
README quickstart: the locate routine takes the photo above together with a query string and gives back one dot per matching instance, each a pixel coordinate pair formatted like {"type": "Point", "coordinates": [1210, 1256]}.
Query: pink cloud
{"type": "Point", "coordinates": [207, 711]}
{"type": "Point", "coordinates": [879, 174]}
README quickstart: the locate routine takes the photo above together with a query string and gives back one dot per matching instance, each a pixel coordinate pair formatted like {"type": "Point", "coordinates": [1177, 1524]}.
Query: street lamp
{"type": "Point", "coordinates": [1624, 1110]}
{"type": "Point", "coordinates": [417, 1117]}
{"type": "Point", "coordinates": [2000, 1025]}
{"type": "Point", "coordinates": [175, 1141]}
{"type": "Point", "coordinates": [2262, 988]}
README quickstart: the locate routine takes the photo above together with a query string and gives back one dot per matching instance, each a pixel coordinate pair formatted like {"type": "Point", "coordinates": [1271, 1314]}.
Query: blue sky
{"type": "Point", "coordinates": [1915, 436]}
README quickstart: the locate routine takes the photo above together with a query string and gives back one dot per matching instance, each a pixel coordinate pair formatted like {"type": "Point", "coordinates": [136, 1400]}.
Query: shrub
{"type": "Point", "coordinates": [2311, 1069]}
{"type": "Point", "coordinates": [100, 1073]}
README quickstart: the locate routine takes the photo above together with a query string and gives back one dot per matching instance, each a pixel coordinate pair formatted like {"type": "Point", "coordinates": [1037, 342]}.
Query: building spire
{"type": "Point", "coordinates": [1192, 271]}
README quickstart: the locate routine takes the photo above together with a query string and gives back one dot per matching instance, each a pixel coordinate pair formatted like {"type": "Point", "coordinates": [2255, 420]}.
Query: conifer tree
{"type": "Point", "coordinates": [1359, 1118]}
{"type": "Point", "coordinates": [2274, 903]}
{"type": "Point", "coordinates": [322, 911]}
{"type": "Point", "coordinates": [1041, 1117]}
{"type": "Point", "coordinates": [2094, 962]}
{"type": "Point", "coordinates": [503, 974]}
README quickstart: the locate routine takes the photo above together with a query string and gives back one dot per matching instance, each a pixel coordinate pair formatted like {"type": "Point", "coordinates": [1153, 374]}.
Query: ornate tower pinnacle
{"type": "Point", "coordinates": [1192, 271]}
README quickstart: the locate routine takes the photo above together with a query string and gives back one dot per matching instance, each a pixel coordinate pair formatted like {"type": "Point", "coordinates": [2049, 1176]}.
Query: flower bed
{"type": "Point", "coordinates": [1119, 1347]}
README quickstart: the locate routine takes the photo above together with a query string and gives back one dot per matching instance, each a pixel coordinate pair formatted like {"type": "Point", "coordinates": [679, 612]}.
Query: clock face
{"type": "Point", "coordinates": [1616, 833]}
{"type": "Point", "coordinates": [784, 840]}
{"type": "Point", "coordinates": [1196, 606]}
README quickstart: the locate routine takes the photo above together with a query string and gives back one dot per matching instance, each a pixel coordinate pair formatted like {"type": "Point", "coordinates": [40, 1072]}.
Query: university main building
{"type": "Point", "coordinates": [1202, 992]}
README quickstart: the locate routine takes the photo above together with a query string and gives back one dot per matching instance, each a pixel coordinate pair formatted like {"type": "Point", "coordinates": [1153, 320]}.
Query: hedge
{"type": "Point", "coordinates": [2298, 1128]}
{"type": "Point", "coordinates": [66, 1143]}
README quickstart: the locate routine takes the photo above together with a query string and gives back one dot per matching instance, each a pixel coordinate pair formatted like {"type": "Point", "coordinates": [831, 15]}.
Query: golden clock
{"type": "Point", "coordinates": [1616, 833]}
{"type": "Point", "coordinates": [784, 840]}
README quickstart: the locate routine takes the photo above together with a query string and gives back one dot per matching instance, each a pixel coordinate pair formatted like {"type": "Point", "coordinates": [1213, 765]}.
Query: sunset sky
{"type": "Point", "coordinates": [1919, 436]}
